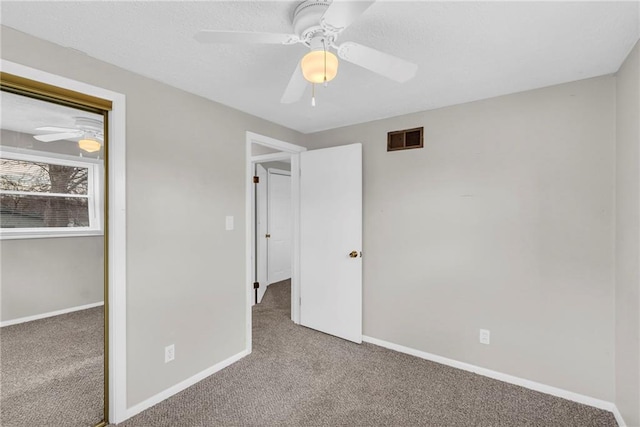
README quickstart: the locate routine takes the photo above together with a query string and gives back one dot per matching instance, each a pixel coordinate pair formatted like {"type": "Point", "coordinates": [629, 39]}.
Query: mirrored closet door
{"type": "Point", "coordinates": [52, 282]}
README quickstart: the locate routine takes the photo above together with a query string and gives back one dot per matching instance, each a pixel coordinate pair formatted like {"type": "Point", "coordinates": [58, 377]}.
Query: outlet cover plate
{"type": "Point", "coordinates": [228, 223]}
{"type": "Point", "coordinates": [485, 336]}
{"type": "Point", "coordinates": [169, 353]}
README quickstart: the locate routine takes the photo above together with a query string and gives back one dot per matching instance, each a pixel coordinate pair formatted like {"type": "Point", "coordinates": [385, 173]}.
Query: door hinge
{"type": "Point", "coordinates": [256, 285]}
{"type": "Point", "coordinates": [256, 179]}
{"type": "Point", "coordinates": [267, 235]}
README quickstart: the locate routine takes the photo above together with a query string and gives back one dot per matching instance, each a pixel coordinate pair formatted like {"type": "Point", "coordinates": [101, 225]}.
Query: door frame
{"type": "Point", "coordinates": [115, 301]}
{"type": "Point", "coordinates": [287, 150]}
{"type": "Point", "coordinates": [259, 226]}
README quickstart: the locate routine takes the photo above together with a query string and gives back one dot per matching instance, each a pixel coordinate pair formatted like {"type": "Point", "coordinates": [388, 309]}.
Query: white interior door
{"type": "Point", "coordinates": [330, 236]}
{"type": "Point", "coordinates": [279, 225]}
{"type": "Point", "coordinates": [261, 229]}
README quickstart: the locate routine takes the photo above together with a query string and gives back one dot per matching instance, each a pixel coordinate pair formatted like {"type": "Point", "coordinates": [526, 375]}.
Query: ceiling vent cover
{"type": "Point", "coordinates": [405, 139]}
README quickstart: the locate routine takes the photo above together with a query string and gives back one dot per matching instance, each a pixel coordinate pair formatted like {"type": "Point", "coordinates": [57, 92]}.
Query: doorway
{"type": "Point", "coordinates": [270, 150]}
{"type": "Point", "coordinates": [264, 150]}
{"type": "Point", "coordinates": [326, 247]}
{"type": "Point", "coordinates": [272, 230]}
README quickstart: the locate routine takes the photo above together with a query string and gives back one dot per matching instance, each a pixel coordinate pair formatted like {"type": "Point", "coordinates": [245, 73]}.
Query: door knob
{"type": "Point", "coordinates": [353, 254]}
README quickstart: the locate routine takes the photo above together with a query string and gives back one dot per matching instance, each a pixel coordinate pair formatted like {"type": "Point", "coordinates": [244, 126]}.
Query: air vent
{"type": "Point", "coordinates": [405, 139]}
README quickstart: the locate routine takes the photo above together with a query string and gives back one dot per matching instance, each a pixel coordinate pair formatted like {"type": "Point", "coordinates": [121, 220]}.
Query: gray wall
{"type": "Point", "coordinates": [185, 173]}
{"type": "Point", "coordinates": [504, 221]}
{"type": "Point", "coordinates": [44, 275]}
{"type": "Point", "coordinates": [257, 150]}
{"type": "Point", "coordinates": [277, 165]}
{"type": "Point", "coordinates": [628, 239]}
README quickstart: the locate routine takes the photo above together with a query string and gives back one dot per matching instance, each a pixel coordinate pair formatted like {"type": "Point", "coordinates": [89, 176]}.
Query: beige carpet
{"type": "Point", "coordinates": [299, 377]}
{"type": "Point", "coordinates": [51, 371]}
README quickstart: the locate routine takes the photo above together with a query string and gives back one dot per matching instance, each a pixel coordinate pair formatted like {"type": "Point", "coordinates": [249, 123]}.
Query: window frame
{"type": "Point", "coordinates": [95, 198]}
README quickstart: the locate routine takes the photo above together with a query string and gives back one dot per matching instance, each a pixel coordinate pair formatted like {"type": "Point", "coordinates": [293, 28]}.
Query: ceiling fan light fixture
{"type": "Point", "coordinates": [89, 145]}
{"type": "Point", "coordinates": [318, 64]}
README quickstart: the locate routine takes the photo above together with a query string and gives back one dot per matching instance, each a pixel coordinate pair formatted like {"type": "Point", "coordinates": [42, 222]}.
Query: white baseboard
{"type": "Point", "coordinates": [618, 416]}
{"type": "Point", "coordinates": [154, 400]}
{"type": "Point", "coordinates": [50, 314]}
{"type": "Point", "coordinates": [532, 385]}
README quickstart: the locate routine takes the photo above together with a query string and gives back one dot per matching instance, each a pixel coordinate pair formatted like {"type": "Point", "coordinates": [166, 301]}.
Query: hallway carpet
{"type": "Point", "coordinates": [51, 371]}
{"type": "Point", "coordinates": [299, 377]}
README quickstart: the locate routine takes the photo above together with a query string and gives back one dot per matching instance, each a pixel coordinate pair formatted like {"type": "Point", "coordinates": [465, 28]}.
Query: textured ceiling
{"type": "Point", "coordinates": [465, 50]}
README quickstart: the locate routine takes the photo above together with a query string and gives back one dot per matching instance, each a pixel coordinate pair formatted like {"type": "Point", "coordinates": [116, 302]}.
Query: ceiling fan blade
{"type": "Point", "coordinates": [382, 63]}
{"type": "Point", "coordinates": [296, 87]}
{"type": "Point", "coordinates": [57, 129]}
{"type": "Point", "coordinates": [213, 36]}
{"type": "Point", "coordinates": [342, 13]}
{"type": "Point", "coordinates": [58, 136]}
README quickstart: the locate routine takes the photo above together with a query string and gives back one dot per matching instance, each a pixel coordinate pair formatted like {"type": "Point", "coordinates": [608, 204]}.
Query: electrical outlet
{"type": "Point", "coordinates": [169, 353]}
{"type": "Point", "coordinates": [485, 336]}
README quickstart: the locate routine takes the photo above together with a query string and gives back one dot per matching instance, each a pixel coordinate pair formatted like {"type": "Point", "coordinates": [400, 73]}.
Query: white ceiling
{"type": "Point", "coordinates": [465, 50]}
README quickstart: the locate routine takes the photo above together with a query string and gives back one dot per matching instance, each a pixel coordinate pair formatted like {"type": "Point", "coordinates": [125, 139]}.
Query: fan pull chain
{"type": "Point", "coordinates": [324, 45]}
{"type": "Point", "coordinates": [313, 94]}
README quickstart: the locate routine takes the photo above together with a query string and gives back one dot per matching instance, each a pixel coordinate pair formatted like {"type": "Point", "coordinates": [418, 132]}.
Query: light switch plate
{"type": "Point", "coordinates": [229, 223]}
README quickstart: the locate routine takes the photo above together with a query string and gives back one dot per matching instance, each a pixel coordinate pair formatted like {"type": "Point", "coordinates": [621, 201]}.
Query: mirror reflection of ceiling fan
{"type": "Point", "coordinates": [317, 24]}
{"type": "Point", "coordinates": [90, 131]}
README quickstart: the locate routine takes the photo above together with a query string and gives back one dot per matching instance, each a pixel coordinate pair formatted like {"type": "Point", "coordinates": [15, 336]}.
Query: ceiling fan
{"type": "Point", "coordinates": [317, 24]}
{"type": "Point", "coordinates": [89, 130]}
